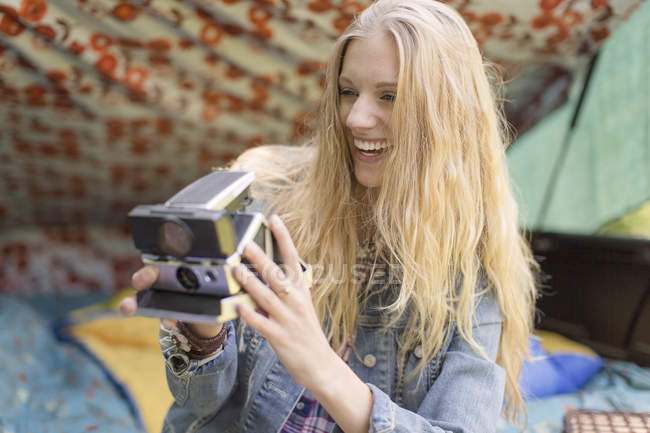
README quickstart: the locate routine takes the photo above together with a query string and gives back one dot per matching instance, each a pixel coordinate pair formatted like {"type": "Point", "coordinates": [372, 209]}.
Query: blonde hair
{"type": "Point", "coordinates": [445, 209]}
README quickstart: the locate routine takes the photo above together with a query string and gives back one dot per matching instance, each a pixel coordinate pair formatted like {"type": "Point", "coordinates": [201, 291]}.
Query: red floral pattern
{"type": "Point", "coordinates": [105, 104]}
{"type": "Point", "coordinates": [71, 259]}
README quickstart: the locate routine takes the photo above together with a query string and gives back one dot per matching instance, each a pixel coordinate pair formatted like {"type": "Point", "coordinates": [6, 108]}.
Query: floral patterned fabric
{"type": "Point", "coordinates": [106, 103]}
{"type": "Point", "coordinates": [66, 260]}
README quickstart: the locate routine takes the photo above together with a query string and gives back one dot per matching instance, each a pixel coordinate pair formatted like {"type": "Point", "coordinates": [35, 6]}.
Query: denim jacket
{"type": "Point", "coordinates": [246, 388]}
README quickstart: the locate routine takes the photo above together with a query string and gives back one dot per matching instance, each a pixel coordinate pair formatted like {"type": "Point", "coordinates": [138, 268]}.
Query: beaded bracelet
{"type": "Point", "coordinates": [198, 347]}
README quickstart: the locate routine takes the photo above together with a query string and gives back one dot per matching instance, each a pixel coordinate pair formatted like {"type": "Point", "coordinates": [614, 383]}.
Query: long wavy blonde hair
{"type": "Point", "coordinates": [445, 209]}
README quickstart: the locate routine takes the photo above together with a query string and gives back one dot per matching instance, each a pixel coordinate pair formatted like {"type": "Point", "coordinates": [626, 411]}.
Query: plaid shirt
{"type": "Point", "coordinates": [308, 416]}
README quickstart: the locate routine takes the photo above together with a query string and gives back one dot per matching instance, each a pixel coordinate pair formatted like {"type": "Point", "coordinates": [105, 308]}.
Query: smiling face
{"type": "Point", "coordinates": [367, 88]}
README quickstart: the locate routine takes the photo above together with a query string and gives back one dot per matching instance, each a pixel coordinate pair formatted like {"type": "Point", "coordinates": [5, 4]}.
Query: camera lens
{"type": "Point", "coordinates": [176, 238]}
{"type": "Point", "coordinates": [187, 278]}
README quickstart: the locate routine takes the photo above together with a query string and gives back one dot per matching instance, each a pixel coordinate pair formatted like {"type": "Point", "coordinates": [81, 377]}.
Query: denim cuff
{"type": "Point", "coordinates": [176, 358]}
{"type": "Point", "coordinates": [382, 416]}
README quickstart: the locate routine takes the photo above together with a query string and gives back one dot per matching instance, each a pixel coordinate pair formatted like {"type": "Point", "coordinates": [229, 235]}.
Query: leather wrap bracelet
{"type": "Point", "coordinates": [202, 347]}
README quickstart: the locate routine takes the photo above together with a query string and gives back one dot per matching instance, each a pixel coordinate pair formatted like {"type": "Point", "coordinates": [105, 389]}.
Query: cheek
{"type": "Point", "coordinates": [387, 119]}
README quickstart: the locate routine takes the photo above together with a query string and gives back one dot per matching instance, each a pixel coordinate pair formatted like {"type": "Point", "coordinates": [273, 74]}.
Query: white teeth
{"type": "Point", "coordinates": [370, 145]}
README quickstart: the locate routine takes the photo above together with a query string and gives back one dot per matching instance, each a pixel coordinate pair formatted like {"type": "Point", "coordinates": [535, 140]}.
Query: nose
{"type": "Point", "coordinates": [362, 114]}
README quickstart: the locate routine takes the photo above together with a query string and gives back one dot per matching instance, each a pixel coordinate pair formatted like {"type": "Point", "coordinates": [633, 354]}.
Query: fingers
{"type": "Point", "coordinates": [270, 271]}
{"type": "Point", "coordinates": [145, 277]}
{"type": "Point", "coordinates": [287, 249]}
{"type": "Point", "coordinates": [128, 306]}
{"type": "Point", "coordinates": [263, 295]}
{"type": "Point", "coordinates": [267, 269]}
{"type": "Point", "coordinates": [141, 280]}
{"type": "Point", "coordinates": [257, 321]}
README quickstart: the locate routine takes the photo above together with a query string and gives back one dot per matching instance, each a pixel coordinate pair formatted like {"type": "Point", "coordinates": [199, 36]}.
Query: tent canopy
{"type": "Point", "coordinates": [105, 104]}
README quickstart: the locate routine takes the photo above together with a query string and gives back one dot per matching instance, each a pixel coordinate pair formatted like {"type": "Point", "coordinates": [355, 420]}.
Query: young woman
{"type": "Point", "coordinates": [419, 318]}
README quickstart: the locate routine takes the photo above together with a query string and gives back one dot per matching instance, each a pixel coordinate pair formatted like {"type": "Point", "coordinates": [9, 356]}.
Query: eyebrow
{"type": "Point", "coordinates": [379, 84]}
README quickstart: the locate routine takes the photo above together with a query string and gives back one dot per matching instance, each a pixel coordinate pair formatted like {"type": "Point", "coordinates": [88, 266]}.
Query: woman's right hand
{"type": "Point", "coordinates": [142, 280]}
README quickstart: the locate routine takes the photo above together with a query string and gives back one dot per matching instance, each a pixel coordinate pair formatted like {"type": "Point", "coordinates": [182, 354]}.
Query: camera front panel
{"type": "Point", "coordinates": [214, 280]}
{"type": "Point", "coordinates": [180, 234]}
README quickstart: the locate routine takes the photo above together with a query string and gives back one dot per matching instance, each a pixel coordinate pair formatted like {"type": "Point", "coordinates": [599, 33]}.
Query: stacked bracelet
{"type": "Point", "coordinates": [198, 347]}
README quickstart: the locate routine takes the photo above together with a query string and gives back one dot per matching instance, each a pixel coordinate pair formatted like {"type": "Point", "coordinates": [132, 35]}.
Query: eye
{"type": "Point", "coordinates": [390, 97]}
{"type": "Point", "coordinates": [347, 92]}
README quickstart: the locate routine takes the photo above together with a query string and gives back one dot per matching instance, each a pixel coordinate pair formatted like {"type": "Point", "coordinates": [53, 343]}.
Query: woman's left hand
{"type": "Point", "coordinates": [289, 322]}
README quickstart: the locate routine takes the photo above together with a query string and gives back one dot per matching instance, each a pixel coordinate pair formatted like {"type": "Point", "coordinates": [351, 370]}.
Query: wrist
{"type": "Point", "coordinates": [345, 397]}
{"type": "Point", "coordinates": [326, 380]}
{"type": "Point", "coordinates": [199, 347]}
{"type": "Point", "coordinates": [203, 330]}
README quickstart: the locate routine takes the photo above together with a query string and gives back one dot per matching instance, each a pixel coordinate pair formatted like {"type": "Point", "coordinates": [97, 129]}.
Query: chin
{"type": "Point", "coordinates": [369, 180]}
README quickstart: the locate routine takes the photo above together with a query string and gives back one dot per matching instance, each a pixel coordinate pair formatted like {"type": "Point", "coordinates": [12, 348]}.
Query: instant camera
{"type": "Point", "coordinates": [195, 239]}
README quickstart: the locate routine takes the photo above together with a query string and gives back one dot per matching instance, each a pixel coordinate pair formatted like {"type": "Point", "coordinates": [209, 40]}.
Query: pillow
{"type": "Point", "coordinates": [558, 365]}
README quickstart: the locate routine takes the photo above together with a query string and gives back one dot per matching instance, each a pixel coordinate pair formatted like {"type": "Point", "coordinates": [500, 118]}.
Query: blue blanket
{"type": "Point", "coordinates": [51, 386]}
{"type": "Point", "coordinates": [617, 386]}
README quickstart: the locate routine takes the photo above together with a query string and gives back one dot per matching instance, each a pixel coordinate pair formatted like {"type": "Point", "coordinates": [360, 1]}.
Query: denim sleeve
{"type": "Point", "coordinates": [466, 397]}
{"type": "Point", "coordinates": [200, 388]}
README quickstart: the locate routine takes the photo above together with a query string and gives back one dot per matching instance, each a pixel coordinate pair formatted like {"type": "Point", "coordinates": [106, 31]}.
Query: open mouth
{"type": "Point", "coordinates": [370, 148]}
{"type": "Point", "coordinates": [373, 152]}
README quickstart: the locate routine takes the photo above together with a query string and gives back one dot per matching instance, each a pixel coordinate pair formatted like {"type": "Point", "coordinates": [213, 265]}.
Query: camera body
{"type": "Point", "coordinates": [195, 239]}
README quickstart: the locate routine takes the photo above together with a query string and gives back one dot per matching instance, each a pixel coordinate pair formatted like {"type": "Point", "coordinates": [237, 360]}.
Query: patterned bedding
{"type": "Point", "coordinates": [52, 386]}
{"type": "Point", "coordinates": [63, 376]}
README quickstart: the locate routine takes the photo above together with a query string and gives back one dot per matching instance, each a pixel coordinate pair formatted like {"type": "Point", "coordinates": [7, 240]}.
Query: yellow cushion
{"type": "Point", "coordinates": [555, 343]}
{"type": "Point", "coordinates": [128, 348]}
